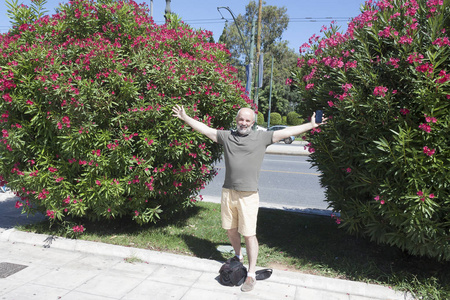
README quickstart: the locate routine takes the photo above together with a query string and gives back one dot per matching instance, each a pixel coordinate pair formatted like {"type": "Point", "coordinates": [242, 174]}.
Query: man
{"type": "Point", "coordinates": [244, 151]}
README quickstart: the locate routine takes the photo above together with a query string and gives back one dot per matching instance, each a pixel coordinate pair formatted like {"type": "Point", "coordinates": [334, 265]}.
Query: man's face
{"type": "Point", "coordinates": [245, 120]}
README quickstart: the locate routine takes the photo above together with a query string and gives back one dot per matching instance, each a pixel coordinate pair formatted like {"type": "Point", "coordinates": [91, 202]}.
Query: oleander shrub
{"type": "Point", "coordinates": [86, 113]}
{"type": "Point", "coordinates": [385, 152]}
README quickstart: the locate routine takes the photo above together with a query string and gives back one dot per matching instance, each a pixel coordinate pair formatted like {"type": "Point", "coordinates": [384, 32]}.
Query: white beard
{"type": "Point", "coordinates": [242, 130]}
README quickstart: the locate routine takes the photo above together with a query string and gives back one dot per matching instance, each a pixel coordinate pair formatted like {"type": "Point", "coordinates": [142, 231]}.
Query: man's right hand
{"type": "Point", "coordinates": [179, 112]}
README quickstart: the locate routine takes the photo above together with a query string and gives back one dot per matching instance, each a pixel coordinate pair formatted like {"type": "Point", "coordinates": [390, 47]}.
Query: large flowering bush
{"type": "Point", "coordinates": [385, 152]}
{"type": "Point", "coordinates": [86, 98]}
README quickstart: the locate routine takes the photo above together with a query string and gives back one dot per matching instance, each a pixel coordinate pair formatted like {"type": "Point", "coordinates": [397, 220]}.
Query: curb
{"type": "Point", "coordinates": [297, 148]}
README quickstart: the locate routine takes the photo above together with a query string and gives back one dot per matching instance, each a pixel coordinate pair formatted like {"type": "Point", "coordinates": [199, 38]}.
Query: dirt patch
{"type": "Point", "coordinates": [278, 266]}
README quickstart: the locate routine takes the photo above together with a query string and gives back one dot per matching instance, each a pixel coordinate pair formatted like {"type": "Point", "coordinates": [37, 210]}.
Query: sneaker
{"type": "Point", "coordinates": [249, 284]}
{"type": "Point", "coordinates": [235, 258]}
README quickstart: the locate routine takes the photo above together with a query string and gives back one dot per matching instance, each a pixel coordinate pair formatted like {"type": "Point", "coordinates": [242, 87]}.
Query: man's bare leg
{"type": "Point", "coordinates": [235, 239]}
{"type": "Point", "coordinates": [252, 245]}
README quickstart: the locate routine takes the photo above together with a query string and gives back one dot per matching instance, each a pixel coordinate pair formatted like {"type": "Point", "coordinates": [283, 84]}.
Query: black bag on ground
{"type": "Point", "coordinates": [232, 273]}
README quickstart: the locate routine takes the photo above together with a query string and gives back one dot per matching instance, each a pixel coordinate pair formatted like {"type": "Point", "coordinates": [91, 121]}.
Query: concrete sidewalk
{"type": "Point", "coordinates": [36, 266]}
{"type": "Point", "coordinates": [296, 148]}
{"type": "Point", "coordinates": [58, 268]}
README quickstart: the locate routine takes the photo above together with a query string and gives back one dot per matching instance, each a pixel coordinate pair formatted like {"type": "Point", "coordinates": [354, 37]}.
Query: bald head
{"type": "Point", "coordinates": [244, 120]}
{"type": "Point", "coordinates": [247, 112]}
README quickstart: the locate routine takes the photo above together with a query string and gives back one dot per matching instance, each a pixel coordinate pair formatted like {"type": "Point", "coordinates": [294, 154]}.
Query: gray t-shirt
{"type": "Point", "coordinates": [243, 158]}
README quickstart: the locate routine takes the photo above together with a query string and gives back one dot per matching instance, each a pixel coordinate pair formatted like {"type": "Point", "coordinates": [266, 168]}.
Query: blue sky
{"type": "Point", "coordinates": [307, 16]}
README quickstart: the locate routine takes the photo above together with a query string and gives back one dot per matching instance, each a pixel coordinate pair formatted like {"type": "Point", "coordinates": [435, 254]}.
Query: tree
{"type": "Point", "coordinates": [87, 127]}
{"type": "Point", "coordinates": [279, 102]}
{"type": "Point", "coordinates": [274, 21]}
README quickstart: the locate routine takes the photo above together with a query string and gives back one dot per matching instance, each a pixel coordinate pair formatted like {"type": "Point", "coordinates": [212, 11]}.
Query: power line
{"type": "Point", "coordinates": [221, 20]}
{"type": "Point", "coordinates": [321, 18]}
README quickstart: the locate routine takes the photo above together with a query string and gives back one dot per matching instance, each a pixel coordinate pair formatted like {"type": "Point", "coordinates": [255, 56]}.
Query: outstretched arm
{"type": "Point", "coordinates": [296, 130]}
{"type": "Point", "coordinates": [180, 113]}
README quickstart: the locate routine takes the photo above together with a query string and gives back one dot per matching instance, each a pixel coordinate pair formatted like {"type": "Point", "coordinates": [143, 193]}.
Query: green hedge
{"type": "Point", "coordinates": [275, 119]}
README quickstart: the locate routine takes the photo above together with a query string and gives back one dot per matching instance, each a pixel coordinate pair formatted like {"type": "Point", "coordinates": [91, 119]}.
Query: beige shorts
{"type": "Point", "coordinates": [240, 210]}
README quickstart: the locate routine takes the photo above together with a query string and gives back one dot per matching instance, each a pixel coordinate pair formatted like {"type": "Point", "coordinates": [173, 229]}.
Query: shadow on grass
{"type": "Point", "coordinates": [118, 226]}
{"type": "Point", "coordinates": [203, 248]}
{"type": "Point", "coordinates": [317, 240]}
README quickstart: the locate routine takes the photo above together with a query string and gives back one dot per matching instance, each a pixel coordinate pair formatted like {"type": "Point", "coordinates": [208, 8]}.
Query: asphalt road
{"type": "Point", "coordinates": [286, 181]}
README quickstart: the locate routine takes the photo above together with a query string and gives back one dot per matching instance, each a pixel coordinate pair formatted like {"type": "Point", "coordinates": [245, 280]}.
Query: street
{"type": "Point", "coordinates": [286, 181]}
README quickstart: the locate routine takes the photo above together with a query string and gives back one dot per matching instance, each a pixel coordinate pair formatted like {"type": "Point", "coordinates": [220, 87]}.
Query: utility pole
{"type": "Point", "coordinates": [151, 8]}
{"type": "Point", "coordinates": [270, 96]}
{"type": "Point", "coordinates": [258, 38]}
{"type": "Point", "coordinates": [258, 53]}
{"type": "Point", "coordinates": [252, 46]}
{"type": "Point", "coordinates": [167, 11]}
{"type": "Point", "coordinates": [249, 67]}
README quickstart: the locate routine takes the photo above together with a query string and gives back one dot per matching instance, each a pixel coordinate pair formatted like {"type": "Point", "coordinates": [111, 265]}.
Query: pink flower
{"type": "Point", "coordinates": [420, 193]}
{"type": "Point", "coordinates": [430, 119]}
{"type": "Point", "coordinates": [51, 214]}
{"type": "Point", "coordinates": [43, 194]}
{"type": "Point", "coordinates": [347, 86]}
{"type": "Point", "coordinates": [393, 62]}
{"type": "Point", "coordinates": [330, 103]}
{"type": "Point", "coordinates": [404, 111]}
{"type": "Point", "coordinates": [309, 86]}
{"type": "Point", "coordinates": [66, 121]}
{"type": "Point", "coordinates": [97, 182]}
{"type": "Point", "coordinates": [415, 57]}
{"type": "Point", "coordinates": [431, 196]}
{"type": "Point", "coordinates": [425, 127]}
{"type": "Point", "coordinates": [78, 228]}
{"type": "Point", "coordinates": [349, 170]}
{"type": "Point", "coordinates": [380, 91]}
{"type": "Point", "coordinates": [7, 98]}
{"type": "Point", "coordinates": [444, 77]}
{"type": "Point", "coordinates": [425, 68]}
{"type": "Point", "coordinates": [377, 197]}
{"type": "Point", "coordinates": [428, 151]}
{"type": "Point", "coordinates": [386, 32]}
{"type": "Point", "coordinates": [405, 40]}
